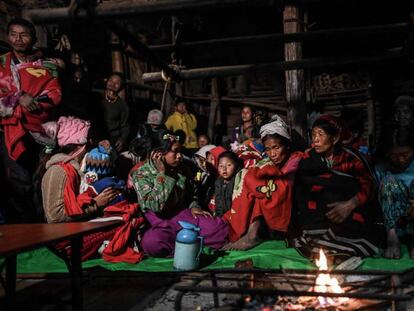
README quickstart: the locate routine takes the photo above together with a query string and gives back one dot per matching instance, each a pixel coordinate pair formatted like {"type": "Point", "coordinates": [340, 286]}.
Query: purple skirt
{"type": "Point", "coordinates": [159, 239]}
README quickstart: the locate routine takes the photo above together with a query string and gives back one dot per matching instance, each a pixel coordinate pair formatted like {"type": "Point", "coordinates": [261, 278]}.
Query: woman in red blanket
{"type": "Point", "coordinates": [263, 194]}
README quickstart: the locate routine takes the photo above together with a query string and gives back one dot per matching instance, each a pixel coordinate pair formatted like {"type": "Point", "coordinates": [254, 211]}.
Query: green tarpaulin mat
{"type": "Point", "coordinates": [271, 254]}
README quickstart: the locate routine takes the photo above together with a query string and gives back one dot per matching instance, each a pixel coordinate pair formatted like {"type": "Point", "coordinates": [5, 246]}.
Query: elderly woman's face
{"type": "Point", "coordinates": [403, 115]}
{"type": "Point", "coordinates": [276, 151]}
{"type": "Point", "coordinates": [323, 143]}
{"type": "Point", "coordinates": [173, 157]}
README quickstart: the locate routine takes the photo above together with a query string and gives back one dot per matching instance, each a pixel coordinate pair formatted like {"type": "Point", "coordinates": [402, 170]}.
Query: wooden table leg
{"type": "Point", "coordinates": [76, 274]}
{"type": "Point", "coordinates": [10, 281]}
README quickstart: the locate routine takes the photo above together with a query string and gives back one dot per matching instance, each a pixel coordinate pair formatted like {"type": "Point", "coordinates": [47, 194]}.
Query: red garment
{"type": "Point", "coordinates": [348, 163]}
{"type": "Point", "coordinates": [121, 247]}
{"type": "Point", "coordinates": [215, 152]}
{"type": "Point", "coordinates": [249, 154]}
{"type": "Point", "coordinates": [36, 79]}
{"type": "Point", "coordinates": [71, 197]}
{"type": "Point", "coordinates": [90, 244]}
{"type": "Point", "coordinates": [263, 190]}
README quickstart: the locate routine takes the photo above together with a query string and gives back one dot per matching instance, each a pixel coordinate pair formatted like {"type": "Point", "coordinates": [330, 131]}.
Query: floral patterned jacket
{"type": "Point", "coordinates": [162, 193]}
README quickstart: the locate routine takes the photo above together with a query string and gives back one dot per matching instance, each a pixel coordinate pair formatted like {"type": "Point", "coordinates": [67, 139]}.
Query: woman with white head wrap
{"type": "Point", "coordinates": [262, 199]}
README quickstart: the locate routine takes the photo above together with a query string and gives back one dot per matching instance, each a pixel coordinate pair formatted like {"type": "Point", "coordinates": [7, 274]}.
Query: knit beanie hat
{"type": "Point", "coordinates": [99, 160]}
{"type": "Point", "coordinates": [155, 117]}
{"type": "Point", "coordinates": [72, 130]}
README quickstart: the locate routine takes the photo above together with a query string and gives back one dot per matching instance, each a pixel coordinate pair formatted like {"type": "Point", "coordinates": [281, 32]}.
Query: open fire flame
{"type": "Point", "coordinates": [326, 284]}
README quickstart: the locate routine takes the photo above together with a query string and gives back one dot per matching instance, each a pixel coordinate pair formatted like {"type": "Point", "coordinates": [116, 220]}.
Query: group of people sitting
{"type": "Point", "coordinates": [327, 197]}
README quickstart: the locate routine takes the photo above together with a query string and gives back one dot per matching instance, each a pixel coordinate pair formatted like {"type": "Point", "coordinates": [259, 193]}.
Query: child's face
{"type": "Point", "coordinates": [210, 159]}
{"type": "Point", "coordinates": [202, 141]}
{"type": "Point", "coordinates": [226, 168]}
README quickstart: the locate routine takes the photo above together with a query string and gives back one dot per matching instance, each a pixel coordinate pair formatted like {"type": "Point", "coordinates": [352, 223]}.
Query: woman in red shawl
{"type": "Point", "coordinates": [262, 194]}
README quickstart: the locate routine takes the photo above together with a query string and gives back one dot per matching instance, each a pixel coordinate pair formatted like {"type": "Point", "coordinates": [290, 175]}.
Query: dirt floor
{"type": "Point", "coordinates": [120, 291]}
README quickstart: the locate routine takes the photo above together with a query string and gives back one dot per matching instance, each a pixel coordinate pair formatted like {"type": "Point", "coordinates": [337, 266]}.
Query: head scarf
{"type": "Point", "coordinates": [72, 130]}
{"type": "Point", "coordinates": [202, 152]}
{"type": "Point", "coordinates": [275, 126]}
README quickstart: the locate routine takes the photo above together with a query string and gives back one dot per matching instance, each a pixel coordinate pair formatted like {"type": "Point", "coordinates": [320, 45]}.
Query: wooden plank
{"type": "Point", "coordinates": [134, 8]}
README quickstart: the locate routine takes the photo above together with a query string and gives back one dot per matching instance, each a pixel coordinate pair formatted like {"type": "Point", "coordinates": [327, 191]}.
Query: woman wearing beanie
{"type": "Point", "coordinates": [61, 182]}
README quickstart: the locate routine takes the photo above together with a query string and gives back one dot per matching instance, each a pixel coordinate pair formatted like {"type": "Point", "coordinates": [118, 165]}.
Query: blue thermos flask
{"type": "Point", "coordinates": [188, 247]}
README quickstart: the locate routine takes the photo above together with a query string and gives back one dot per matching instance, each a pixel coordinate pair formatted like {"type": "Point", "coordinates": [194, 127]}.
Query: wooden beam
{"type": "Point", "coordinates": [143, 87]}
{"type": "Point", "coordinates": [223, 71]}
{"type": "Point", "coordinates": [294, 79]}
{"type": "Point", "coordinates": [277, 106]}
{"type": "Point", "coordinates": [134, 8]}
{"type": "Point", "coordinates": [336, 33]}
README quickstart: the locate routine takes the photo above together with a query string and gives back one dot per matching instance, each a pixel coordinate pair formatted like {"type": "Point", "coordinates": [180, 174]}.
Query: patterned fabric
{"type": "Point", "coordinates": [384, 169]}
{"type": "Point", "coordinates": [265, 191]}
{"type": "Point", "coordinates": [311, 241]}
{"type": "Point", "coordinates": [394, 197]}
{"type": "Point", "coordinates": [249, 153]}
{"type": "Point", "coordinates": [90, 244]}
{"type": "Point", "coordinates": [38, 78]}
{"type": "Point", "coordinates": [348, 163]}
{"type": "Point", "coordinates": [161, 193]}
{"type": "Point", "coordinates": [320, 183]}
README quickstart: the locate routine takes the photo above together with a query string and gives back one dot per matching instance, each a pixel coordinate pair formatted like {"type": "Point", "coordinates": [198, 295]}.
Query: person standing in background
{"type": "Point", "coordinates": [115, 113]}
{"type": "Point", "coordinates": [29, 92]}
{"type": "Point", "coordinates": [181, 119]}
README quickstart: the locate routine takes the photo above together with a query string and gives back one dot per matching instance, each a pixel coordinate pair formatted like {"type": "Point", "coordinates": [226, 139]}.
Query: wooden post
{"type": "Point", "coordinates": [116, 54]}
{"type": "Point", "coordinates": [117, 61]}
{"type": "Point", "coordinates": [215, 100]}
{"type": "Point", "coordinates": [295, 84]}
